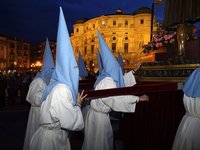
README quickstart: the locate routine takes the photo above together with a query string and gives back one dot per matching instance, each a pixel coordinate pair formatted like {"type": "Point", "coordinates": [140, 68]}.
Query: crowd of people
{"type": "Point", "coordinates": [14, 87]}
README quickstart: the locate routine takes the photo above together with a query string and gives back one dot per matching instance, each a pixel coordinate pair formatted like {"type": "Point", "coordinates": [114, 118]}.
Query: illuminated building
{"type": "Point", "coordinates": [14, 54]}
{"type": "Point", "coordinates": [126, 33]}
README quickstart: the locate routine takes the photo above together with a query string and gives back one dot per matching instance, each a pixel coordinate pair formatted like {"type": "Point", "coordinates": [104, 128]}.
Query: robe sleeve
{"type": "Point", "coordinates": [35, 92]}
{"type": "Point", "coordinates": [129, 79]}
{"type": "Point", "coordinates": [124, 103]}
{"type": "Point", "coordinates": [70, 117]}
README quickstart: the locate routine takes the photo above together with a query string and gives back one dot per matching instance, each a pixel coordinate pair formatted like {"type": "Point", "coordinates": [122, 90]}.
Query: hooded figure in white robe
{"type": "Point", "coordinates": [188, 133]}
{"type": "Point", "coordinates": [98, 130]}
{"type": "Point", "coordinates": [59, 111]}
{"type": "Point", "coordinates": [129, 78]}
{"type": "Point", "coordinates": [82, 69]}
{"type": "Point", "coordinates": [35, 92]}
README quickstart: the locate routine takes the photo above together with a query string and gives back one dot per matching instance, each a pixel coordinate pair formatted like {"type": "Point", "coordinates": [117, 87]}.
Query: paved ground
{"type": "Point", "coordinates": [13, 120]}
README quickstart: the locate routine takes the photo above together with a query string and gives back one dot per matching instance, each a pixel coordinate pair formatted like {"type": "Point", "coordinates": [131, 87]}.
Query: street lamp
{"type": "Point", "coordinates": [38, 64]}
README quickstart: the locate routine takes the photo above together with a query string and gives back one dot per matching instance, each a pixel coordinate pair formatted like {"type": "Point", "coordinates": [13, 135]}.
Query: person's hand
{"type": "Point", "coordinates": [143, 98]}
{"type": "Point", "coordinates": [81, 97]}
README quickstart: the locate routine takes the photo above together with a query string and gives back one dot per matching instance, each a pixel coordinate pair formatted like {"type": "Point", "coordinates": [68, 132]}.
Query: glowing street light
{"type": "Point", "coordinates": [38, 64]}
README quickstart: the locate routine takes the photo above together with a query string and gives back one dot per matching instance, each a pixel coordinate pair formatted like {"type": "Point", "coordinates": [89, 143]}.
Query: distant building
{"type": "Point", "coordinates": [126, 33]}
{"type": "Point", "coordinates": [14, 54]}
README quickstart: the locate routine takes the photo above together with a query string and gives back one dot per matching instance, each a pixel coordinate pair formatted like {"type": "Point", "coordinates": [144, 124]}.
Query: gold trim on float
{"type": "Point", "coordinates": [167, 68]}
{"type": "Point", "coordinates": [171, 67]}
{"type": "Point", "coordinates": [163, 79]}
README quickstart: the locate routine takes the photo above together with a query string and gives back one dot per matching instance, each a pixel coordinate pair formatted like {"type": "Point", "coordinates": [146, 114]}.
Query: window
{"type": "Point", "coordinates": [92, 39]}
{"type": "Point", "coordinates": [12, 45]}
{"type": "Point", "coordinates": [77, 30]}
{"type": "Point", "coordinates": [25, 59]}
{"type": "Point", "coordinates": [114, 23]}
{"type": "Point", "coordinates": [12, 58]}
{"type": "Point", "coordinates": [1, 53]}
{"type": "Point", "coordinates": [113, 47]}
{"type": "Point", "coordinates": [93, 25]}
{"type": "Point", "coordinates": [92, 49]}
{"type": "Point", "coordinates": [11, 52]}
{"type": "Point", "coordinates": [126, 23]}
{"type": "Point", "coordinates": [25, 47]}
{"type": "Point", "coordinates": [142, 21]}
{"type": "Point", "coordinates": [126, 47]}
{"type": "Point", "coordinates": [114, 38]}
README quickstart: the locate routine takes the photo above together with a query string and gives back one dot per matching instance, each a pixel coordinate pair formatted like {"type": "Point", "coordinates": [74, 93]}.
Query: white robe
{"type": "Point", "coordinates": [34, 95]}
{"type": "Point", "coordinates": [98, 129]}
{"type": "Point", "coordinates": [188, 133]}
{"type": "Point", "coordinates": [129, 79]}
{"type": "Point", "coordinates": [57, 116]}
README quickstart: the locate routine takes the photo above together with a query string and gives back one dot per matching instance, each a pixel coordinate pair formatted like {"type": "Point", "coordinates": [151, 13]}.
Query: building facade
{"type": "Point", "coordinates": [124, 33]}
{"type": "Point", "coordinates": [14, 54]}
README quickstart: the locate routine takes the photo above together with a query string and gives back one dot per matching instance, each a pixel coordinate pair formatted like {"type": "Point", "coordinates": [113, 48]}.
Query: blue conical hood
{"type": "Point", "coordinates": [82, 70]}
{"type": "Point", "coordinates": [48, 64]}
{"type": "Point", "coordinates": [121, 63]}
{"type": "Point", "coordinates": [66, 69]}
{"type": "Point", "coordinates": [111, 67]}
{"type": "Point", "coordinates": [99, 62]}
{"type": "Point", "coordinates": [192, 84]}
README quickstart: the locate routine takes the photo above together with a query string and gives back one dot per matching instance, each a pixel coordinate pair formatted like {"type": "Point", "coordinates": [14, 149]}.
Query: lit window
{"type": "Point", "coordinates": [126, 23]}
{"type": "Point", "coordinates": [113, 47]}
{"type": "Point", "coordinates": [92, 49]}
{"type": "Point", "coordinates": [114, 23]}
{"type": "Point", "coordinates": [126, 47]}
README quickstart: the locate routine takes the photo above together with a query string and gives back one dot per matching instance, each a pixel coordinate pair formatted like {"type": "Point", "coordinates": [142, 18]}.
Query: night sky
{"type": "Point", "coordinates": [34, 20]}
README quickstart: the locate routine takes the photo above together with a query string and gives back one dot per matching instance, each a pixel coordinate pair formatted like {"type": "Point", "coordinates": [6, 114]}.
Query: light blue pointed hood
{"type": "Point", "coordinates": [121, 63]}
{"type": "Point", "coordinates": [100, 67]}
{"type": "Point", "coordinates": [82, 69]}
{"type": "Point", "coordinates": [66, 69]}
{"type": "Point", "coordinates": [111, 67]}
{"type": "Point", "coordinates": [48, 64]}
{"type": "Point", "coordinates": [192, 84]}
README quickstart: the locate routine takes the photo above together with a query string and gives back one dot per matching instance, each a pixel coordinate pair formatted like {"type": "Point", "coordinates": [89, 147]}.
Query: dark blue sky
{"type": "Point", "coordinates": [34, 20]}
